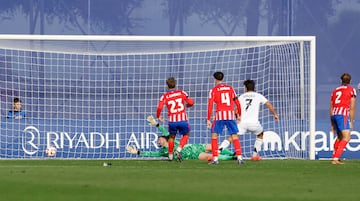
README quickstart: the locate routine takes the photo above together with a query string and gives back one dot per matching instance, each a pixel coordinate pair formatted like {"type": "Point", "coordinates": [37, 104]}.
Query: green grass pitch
{"type": "Point", "coordinates": [127, 180]}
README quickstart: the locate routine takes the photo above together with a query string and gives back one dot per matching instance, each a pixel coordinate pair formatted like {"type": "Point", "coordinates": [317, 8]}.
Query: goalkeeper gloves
{"type": "Point", "coordinates": [152, 121]}
{"type": "Point", "coordinates": [132, 150]}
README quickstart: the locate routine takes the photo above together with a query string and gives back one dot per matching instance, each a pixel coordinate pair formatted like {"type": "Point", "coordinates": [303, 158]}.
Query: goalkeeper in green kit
{"type": "Point", "coordinates": [189, 151]}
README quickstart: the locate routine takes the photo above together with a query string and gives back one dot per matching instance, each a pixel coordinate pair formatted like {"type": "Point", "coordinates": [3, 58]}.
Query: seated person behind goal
{"type": "Point", "coordinates": [190, 151]}
{"type": "Point", "coordinates": [16, 112]}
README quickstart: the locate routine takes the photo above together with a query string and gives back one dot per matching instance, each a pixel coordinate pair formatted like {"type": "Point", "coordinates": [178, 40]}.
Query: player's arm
{"type": "Point", "coordinates": [238, 107]}
{"type": "Point", "coordinates": [330, 115]}
{"type": "Point", "coordinates": [152, 153]}
{"type": "Point", "coordinates": [133, 150]}
{"type": "Point", "coordinates": [160, 107]}
{"type": "Point", "coordinates": [210, 104]}
{"type": "Point", "coordinates": [163, 130]}
{"type": "Point", "coordinates": [237, 116]}
{"type": "Point", "coordinates": [153, 122]}
{"type": "Point", "coordinates": [352, 111]}
{"type": "Point", "coordinates": [210, 108]}
{"type": "Point", "coordinates": [272, 110]}
{"type": "Point", "coordinates": [10, 114]}
{"type": "Point", "coordinates": [189, 102]}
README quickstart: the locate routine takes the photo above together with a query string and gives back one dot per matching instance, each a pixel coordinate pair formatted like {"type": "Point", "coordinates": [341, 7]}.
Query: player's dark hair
{"type": "Point", "coordinates": [219, 76]}
{"type": "Point", "coordinates": [250, 85]}
{"type": "Point", "coordinates": [346, 78]}
{"type": "Point", "coordinates": [17, 100]}
{"type": "Point", "coordinates": [171, 82]}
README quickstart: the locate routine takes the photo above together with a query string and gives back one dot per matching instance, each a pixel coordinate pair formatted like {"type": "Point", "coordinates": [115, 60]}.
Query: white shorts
{"type": "Point", "coordinates": [254, 128]}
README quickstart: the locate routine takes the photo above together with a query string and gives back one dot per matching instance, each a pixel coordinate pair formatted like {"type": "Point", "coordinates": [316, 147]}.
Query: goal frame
{"type": "Point", "coordinates": [311, 39]}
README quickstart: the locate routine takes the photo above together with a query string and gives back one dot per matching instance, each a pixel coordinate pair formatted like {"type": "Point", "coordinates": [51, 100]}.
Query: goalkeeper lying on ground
{"type": "Point", "coordinates": [190, 151]}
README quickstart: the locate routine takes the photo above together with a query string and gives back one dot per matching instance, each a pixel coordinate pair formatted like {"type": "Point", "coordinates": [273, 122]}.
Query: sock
{"type": "Point", "coordinates": [224, 144]}
{"type": "Point", "coordinates": [237, 147]}
{"type": "Point", "coordinates": [227, 152]}
{"type": "Point", "coordinates": [340, 149]}
{"type": "Point", "coordinates": [183, 142]}
{"type": "Point", "coordinates": [214, 148]}
{"type": "Point", "coordinates": [171, 147]}
{"type": "Point", "coordinates": [336, 145]}
{"type": "Point", "coordinates": [225, 157]}
{"type": "Point", "coordinates": [257, 146]}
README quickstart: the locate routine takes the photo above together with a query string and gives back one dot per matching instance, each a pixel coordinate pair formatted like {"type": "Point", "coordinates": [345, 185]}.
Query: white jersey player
{"type": "Point", "coordinates": [250, 102]}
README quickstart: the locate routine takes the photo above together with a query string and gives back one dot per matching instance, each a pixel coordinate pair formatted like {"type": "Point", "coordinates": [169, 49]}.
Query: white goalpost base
{"type": "Point", "coordinates": [89, 96]}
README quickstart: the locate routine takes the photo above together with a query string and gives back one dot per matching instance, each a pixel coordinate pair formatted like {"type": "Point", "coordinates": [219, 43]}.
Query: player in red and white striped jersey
{"type": "Point", "coordinates": [176, 102]}
{"type": "Point", "coordinates": [225, 98]}
{"type": "Point", "coordinates": [342, 113]}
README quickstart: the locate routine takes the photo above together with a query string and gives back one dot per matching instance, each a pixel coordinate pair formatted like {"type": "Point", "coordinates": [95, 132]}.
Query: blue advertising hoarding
{"type": "Point", "coordinates": [28, 138]}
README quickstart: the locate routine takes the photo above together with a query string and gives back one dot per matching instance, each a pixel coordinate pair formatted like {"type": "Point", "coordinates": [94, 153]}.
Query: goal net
{"type": "Point", "coordinates": [89, 96]}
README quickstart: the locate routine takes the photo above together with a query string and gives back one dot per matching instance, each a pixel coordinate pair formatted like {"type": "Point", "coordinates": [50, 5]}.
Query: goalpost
{"type": "Point", "coordinates": [89, 95]}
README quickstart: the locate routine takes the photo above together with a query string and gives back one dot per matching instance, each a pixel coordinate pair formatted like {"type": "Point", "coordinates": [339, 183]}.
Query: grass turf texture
{"type": "Point", "coordinates": [87, 180]}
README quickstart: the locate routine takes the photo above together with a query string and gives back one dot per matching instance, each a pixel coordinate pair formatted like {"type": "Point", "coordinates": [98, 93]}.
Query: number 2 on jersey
{"type": "Point", "coordinates": [338, 95]}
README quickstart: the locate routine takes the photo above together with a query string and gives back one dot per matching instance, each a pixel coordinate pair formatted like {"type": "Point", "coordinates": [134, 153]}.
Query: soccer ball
{"type": "Point", "coordinates": [50, 151]}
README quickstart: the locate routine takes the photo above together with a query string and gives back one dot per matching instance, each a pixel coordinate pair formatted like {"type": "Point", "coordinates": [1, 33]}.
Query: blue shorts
{"type": "Point", "coordinates": [183, 127]}
{"type": "Point", "coordinates": [218, 126]}
{"type": "Point", "coordinates": [341, 123]}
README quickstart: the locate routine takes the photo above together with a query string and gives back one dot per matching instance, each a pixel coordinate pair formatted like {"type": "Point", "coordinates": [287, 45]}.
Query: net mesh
{"type": "Point", "coordinates": [90, 99]}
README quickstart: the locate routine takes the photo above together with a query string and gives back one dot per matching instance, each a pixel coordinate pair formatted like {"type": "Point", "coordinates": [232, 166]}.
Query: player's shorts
{"type": "Point", "coordinates": [183, 127]}
{"type": "Point", "coordinates": [253, 128]}
{"type": "Point", "coordinates": [341, 123]}
{"type": "Point", "coordinates": [218, 126]}
{"type": "Point", "coordinates": [192, 151]}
